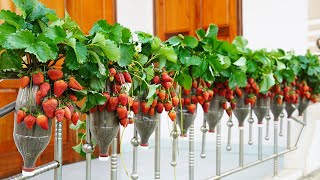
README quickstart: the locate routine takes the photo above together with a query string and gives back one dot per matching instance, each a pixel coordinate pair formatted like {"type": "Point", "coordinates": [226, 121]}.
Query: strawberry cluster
{"type": "Point", "coordinates": [276, 91]}
{"type": "Point", "coordinates": [304, 91]}
{"type": "Point", "coordinates": [117, 99]}
{"type": "Point", "coordinates": [50, 99]}
{"type": "Point", "coordinates": [290, 95]}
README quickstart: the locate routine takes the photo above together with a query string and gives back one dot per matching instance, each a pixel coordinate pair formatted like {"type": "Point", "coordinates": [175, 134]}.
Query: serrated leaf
{"type": "Point", "coordinates": [252, 66]}
{"type": "Point", "coordinates": [184, 80]}
{"type": "Point", "coordinates": [77, 148]}
{"type": "Point", "coordinates": [201, 33]}
{"type": "Point", "coordinates": [175, 40]}
{"type": "Point", "coordinates": [144, 37]}
{"type": "Point", "coordinates": [56, 33]}
{"type": "Point", "coordinates": [6, 30]}
{"type": "Point", "coordinates": [142, 59]}
{"type": "Point", "coordinates": [93, 99]}
{"type": "Point", "coordinates": [101, 25]}
{"type": "Point", "coordinates": [25, 6]}
{"type": "Point", "coordinates": [190, 41]}
{"type": "Point", "coordinates": [240, 42]}
{"type": "Point", "coordinates": [97, 84]}
{"type": "Point", "coordinates": [79, 125]}
{"type": "Point", "coordinates": [267, 82]}
{"type": "Point", "coordinates": [41, 50]}
{"type": "Point", "coordinates": [280, 65]}
{"type": "Point", "coordinates": [240, 62]}
{"type": "Point", "coordinates": [198, 71]}
{"type": "Point", "coordinates": [81, 52]}
{"type": "Point", "coordinates": [169, 53]}
{"type": "Point", "coordinates": [193, 60]}
{"type": "Point", "coordinates": [151, 90]}
{"type": "Point", "coordinates": [212, 31]}
{"type": "Point", "coordinates": [127, 52]}
{"type": "Point", "coordinates": [71, 60]}
{"type": "Point", "coordinates": [237, 78]}
{"type": "Point", "coordinates": [10, 62]}
{"type": "Point", "coordinates": [102, 68]}
{"type": "Point", "coordinates": [12, 18]}
{"type": "Point", "coordinates": [126, 35]}
{"type": "Point", "coordinates": [21, 39]}
{"type": "Point", "coordinates": [39, 11]}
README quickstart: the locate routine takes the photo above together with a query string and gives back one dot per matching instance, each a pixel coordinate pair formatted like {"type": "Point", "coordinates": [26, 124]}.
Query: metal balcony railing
{"type": "Point", "coordinates": [88, 148]}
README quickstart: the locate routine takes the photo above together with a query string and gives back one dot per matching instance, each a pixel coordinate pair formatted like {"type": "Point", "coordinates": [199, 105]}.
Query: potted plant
{"type": "Point", "coordinates": [31, 45]}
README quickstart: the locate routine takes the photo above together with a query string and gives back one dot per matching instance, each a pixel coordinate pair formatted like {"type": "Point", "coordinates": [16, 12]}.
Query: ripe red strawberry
{"type": "Point", "coordinates": [151, 111]}
{"type": "Point", "coordinates": [224, 105]}
{"type": "Point", "coordinates": [187, 101]}
{"type": "Point", "coordinates": [70, 106]}
{"type": "Point", "coordinates": [38, 97]}
{"type": "Point", "coordinates": [162, 95]}
{"type": "Point", "coordinates": [55, 74]}
{"type": "Point", "coordinates": [166, 85]}
{"type": "Point", "coordinates": [20, 116]}
{"type": "Point", "coordinates": [122, 112]}
{"type": "Point", "coordinates": [116, 88]}
{"type": "Point", "coordinates": [194, 99]}
{"type": "Point", "coordinates": [194, 83]}
{"type": "Point", "coordinates": [192, 108]}
{"type": "Point", "coordinates": [173, 94]}
{"type": "Point", "coordinates": [166, 77]}
{"type": "Point", "coordinates": [67, 113]}
{"type": "Point", "coordinates": [156, 79]}
{"type": "Point", "coordinates": [101, 107]}
{"type": "Point", "coordinates": [206, 106]}
{"type": "Point", "coordinates": [307, 95]}
{"type": "Point", "coordinates": [305, 88]}
{"type": "Point", "coordinates": [186, 91]}
{"type": "Point", "coordinates": [175, 101]}
{"type": "Point", "coordinates": [124, 122]}
{"type": "Point", "coordinates": [211, 93]}
{"type": "Point", "coordinates": [112, 72]}
{"type": "Point", "coordinates": [277, 89]}
{"type": "Point", "coordinates": [144, 107]}
{"type": "Point", "coordinates": [24, 81]}
{"type": "Point", "coordinates": [279, 100]}
{"type": "Point", "coordinates": [59, 113]}
{"type": "Point", "coordinates": [93, 110]}
{"type": "Point", "coordinates": [73, 97]}
{"type": "Point", "coordinates": [38, 78]}
{"type": "Point", "coordinates": [59, 87]}
{"type": "Point", "coordinates": [30, 120]}
{"type": "Point", "coordinates": [250, 80]}
{"type": "Point", "coordinates": [239, 92]}
{"type": "Point", "coordinates": [112, 104]}
{"type": "Point", "coordinates": [43, 122]}
{"type": "Point", "coordinates": [205, 95]}
{"type": "Point", "coordinates": [172, 115]}
{"type": "Point", "coordinates": [119, 78]}
{"type": "Point", "coordinates": [168, 106]}
{"type": "Point", "coordinates": [233, 105]}
{"type": "Point", "coordinates": [200, 99]}
{"type": "Point", "coordinates": [49, 106]}
{"type": "Point", "coordinates": [154, 103]}
{"type": "Point", "coordinates": [123, 99]}
{"type": "Point", "coordinates": [74, 84]}
{"type": "Point", "coordinates": [75, 118]}
{"type": "Point", "coordinates": [229, 111]}
{"type": "Point", "coordinates": [199, 90]}
{"type": "Point", "coordinates": [44, 88]}
{"type": "Point", "coordinates": [159, 107]}
{"type": "Point", "coordinates": [286, 89]}
{"type": "Point", "coordinates": [127, 77]}
{"type": "Point", "coordinates": [135, 107]}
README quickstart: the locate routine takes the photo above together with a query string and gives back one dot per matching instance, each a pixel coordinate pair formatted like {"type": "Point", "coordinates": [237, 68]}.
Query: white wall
{"type": "Point", "coordinates": [276, 24]}
{"type": "Point", "coordinates": [136, 14]}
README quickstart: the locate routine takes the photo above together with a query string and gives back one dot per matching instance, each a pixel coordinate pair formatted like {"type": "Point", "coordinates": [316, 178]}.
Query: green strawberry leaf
{"type": "Point", "coordinates": [184, 80]}
{"type": "Point", "coordinates": [174, 41]}
{"type": "Point", "coordinates": [95, 56]}
{"type": "Point", "coordinates": [152, 90]}
{"type": "Point", "coordinates": [193, 60]}
{"type": "Point", "coordinates": [77, 148]}
{"type": "Point", "coordinates": [212, 31]}
{"type": "Point", "coordinates": [12, 18]}
{"type": "Point", "coordinates": [168, 53]}
{"type": "Point", "coordinates": [100, 26]}
{"type": "Point", "coordinates": [190, 41]}
{"type": "Point", "coordinates": [237, 78]}
{"type": "Point", "coordinates": [71, 62]}
{"type": "Point", "coordinates": [201, 33]}
{"type": "Point", "coordinates": [20, 40]}
{"type": "Point", "coordinates": [93, 99]}
{"type": "Point", "coordinates": [42, 51]}
{"type": "Point", "coordinates": [240, 62]}
{"type": "Point", "coordinates": [5, 31]}
{"type": "Point", "coordinates": [144, 37]}
{"type": "Point", "coordinates": [56, 33]}
{"type": "Point", "coordinates": [10, 62]}
{"type": "Point", "coordinates": [267, 82]}
{"type": "Point", "coordinates": [127, 52]}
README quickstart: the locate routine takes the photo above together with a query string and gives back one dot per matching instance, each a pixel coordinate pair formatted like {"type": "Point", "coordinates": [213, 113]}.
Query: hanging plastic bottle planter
{"type": "Point", "coordinates": [215, 113]}
{"type": "Point", "coordinates": [242, 108]}
{"type": "Point", "coordinates": [261, 108]}
{"type": "Point", "coordinates": [276, 106]}
{"type": "Point", "coordinates": [145, 125]}
{"type": "Point", "coordinates": [187, 120]}
{"type": "Point", "coordinates": [303, 104]}
{"type": "Point", "coordinates": [104, 127]}
{"type": "Point", "coordinates": [30, 138]}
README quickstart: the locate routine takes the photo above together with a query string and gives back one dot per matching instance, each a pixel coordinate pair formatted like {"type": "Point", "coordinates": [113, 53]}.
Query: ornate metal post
{"type": "Point", "coordinates": [114, 160]}
{"type": "Point", "coordinates": [135, 143]}
{"type": "Point", "coordinates": [88, 148]}
{"type": "Point", "coordinates": [250, 120]}
{"type": "Point", "coordinates": [218, 150]}
{"type": "Point", "coordinates": [229, 124]}
{"type": "Point", "coordinates": [174, 135]}
{"type": "Point", "coordinates": [268, 118]}
{"type": "Point", "coordinates": [157, 152]}
{"type": "Point", "coordinates": [204, 132]}
{"type": "Point", "coordinates": [275, 151]}
{"type": "Point", "coordinates": [288, 133]}
{"type": "Point", "coordinates": [260, 141]}
{"type": "Point", "coordinates": [281, 124]}
{"type": "Point", "coordinates": [191, 152]}
{"type": "Point", "coordinates": [241, 143]}
{"type": "Point", "coordinates": [58, 150]}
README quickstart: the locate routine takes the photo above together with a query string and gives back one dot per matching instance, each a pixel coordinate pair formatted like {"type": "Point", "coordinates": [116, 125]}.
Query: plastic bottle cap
{"type": "Point", "coordinates": [27, 173]}
{"type": "Point", "coordinates": [103, 158]}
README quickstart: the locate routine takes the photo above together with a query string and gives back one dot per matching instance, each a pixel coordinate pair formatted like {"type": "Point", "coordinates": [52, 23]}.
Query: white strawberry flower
{"type": "Point", "coordinates": [138, 48]}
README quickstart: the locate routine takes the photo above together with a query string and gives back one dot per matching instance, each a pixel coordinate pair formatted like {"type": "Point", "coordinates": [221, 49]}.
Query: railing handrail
{"type": "Point", "coordinates": [7, 109]}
